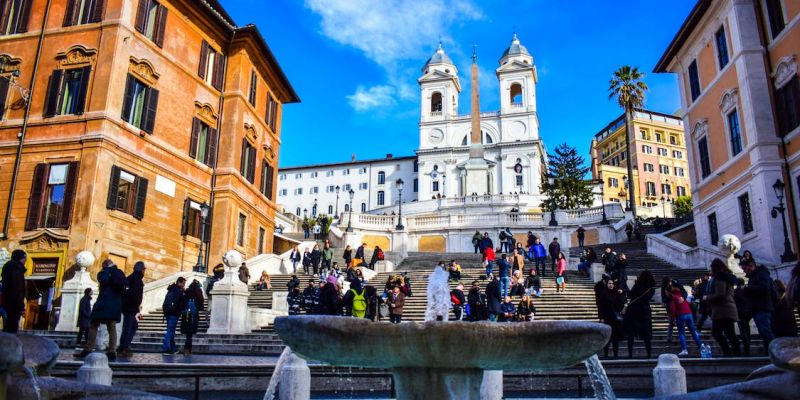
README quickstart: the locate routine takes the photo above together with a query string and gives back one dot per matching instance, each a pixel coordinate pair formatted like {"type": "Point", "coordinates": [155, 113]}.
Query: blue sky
{"type": "Point", "coordinates": [355, 63]}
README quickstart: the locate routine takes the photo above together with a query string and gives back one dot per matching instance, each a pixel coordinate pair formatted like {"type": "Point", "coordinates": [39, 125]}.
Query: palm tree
{"type": "Point", "coordinates": [627, 87]}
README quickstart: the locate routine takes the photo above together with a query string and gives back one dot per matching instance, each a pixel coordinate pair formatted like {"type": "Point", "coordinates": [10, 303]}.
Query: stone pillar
{"type": "Point", "coordinates": [669, 377]}
{"type": "Point", "coordinates": [95, 370]}
{"type": "Point", "coordinates": [598, 270]}
{"type": "Point", "coordinates": [295, 379]}
{"type": "Point", "coordinates": [229, 312]}
{"type": "Point", "coordinates": [492, 385]}
{"type": "Point", "coordinates": [72, 292]}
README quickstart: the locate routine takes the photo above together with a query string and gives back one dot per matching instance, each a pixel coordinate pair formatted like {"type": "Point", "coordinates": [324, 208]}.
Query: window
{"type": "Point", "coordinates": [346, 171]}
{"type": "Point", "coordinates": [436, 102]}
{"type": "Point", "coordinates": [705, 161]}
{"type": "Point", "coordinates": [381, 198]}
{"type": "Point", "coordinates": [329, 173]}
{"type": "Point", "coordinates": [666, 189]}
{"type": "Point", "coordinates": [314, 174]}
{"type": "Point", "coordinates": [435, 186]}
{"type": "Point", "coordinates": [519, 181]}
{"type": "Point", "coordinates": [66, 92]}
{"type": "Point", "coordinates": [647, 149]}
{"type": "Point", "coordinates": [515, 94]}
{"type": "Point", "coordinates": [151, 20]}
{"type": "Point", "coordinates": [314, 190]}
{"type": "Point", "coordinates": [722, 47]}
{"type": "Point", "coordinates": [673, 140]}
{"type": "Point", "coordinates": [416, 185]}
{"type": "Point", "coordinates": [787, 104]}
{"type": "Point", "coordinates": [679, 171]}
{"type": "Point", "coordinates": [272, 112]}
{"type": "Point", "coordinates": [298, 191]}
{"type": "Point", "coordinates": [15, 16]}
{"type": "Point", "coordinates": [613, 182]}
{"type": "Point", "coordinates": [346, 187]}
{"type": "Point", "coordinates": [261, 234]}
{"type": "Point", "coordinates": [735, 134]}
{"type": "Point", "coordinates": [664, 169]}
{"type": "Point", "coordinates": [381, 178]}
{"type": "Point", "coordinates": [253, 86]}
{"type": "Point", "coordinates": [362, 170]}
{"type": "Point", "coordinates": [79, 12]}
{"type": "Point", "coordinates": [247, 165]}
{"type": "Point", "coordinates": [680, 190]}
{"type": "Point", "coordinates": [662, 152]}
{"type": "Point", "coordinates": [694, 80]}
{"type": "Point", "coordinates": [651, 189]}
{"type": "Point", "coordinates": [644, 134]}
{"type": "Point", "coordinates": [297, 211]}
{"type": "Point", "coordinates": [775, 17]}
{"type": "Point", "coordinates": [744, 212]}
{"type": "Point", "coordinates": [203, 143]}
{"type": "Point", "coordinates": [622, 156]}
{"type": "Point", "coordinates": [140, 104]}
{"type": "Point", "coordinates": [416, 166]}
{"type": "Point", "coordinates": [648, 167]}
{"type": "Point", "coordinates": [283, 192]}
{"type": "Point", "coordinates": [363, 207]}
{"type": "Point", "coordinates": [212, 66]}
{"type": "Point", "coordinates": [330, 209]}
{"type": "Point", "coordinates": [52, 195]}
{"type": "Point", "coordinates": [329, 188]}
{"type": "Point", "coordinates": [282, 177]}
{"type": "Point", "coordinates": [346, 207]}
{"type": "Point", "coordinates": [677, 154]}
{"type": "Point", "coordinates": [362, 186]}
{"type": "Point", "coordinates": [240, 230]}
{"type": "Point", "coordinates": [713, 233]}
{"type": "Point", "coordinates": [298, 175]}
{"type": "Point", "coordinates": [659, 137]}
{"type": "Point", "coordinates": [127, 192]}
{"type": "Point", "coordinates": [192, 219]}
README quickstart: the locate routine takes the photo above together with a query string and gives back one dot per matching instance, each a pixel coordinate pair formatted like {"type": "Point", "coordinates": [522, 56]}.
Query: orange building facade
{"type": "Point", "coordinates": [737, 73]}
{"type": "Point", "coordinates": [121, 120]}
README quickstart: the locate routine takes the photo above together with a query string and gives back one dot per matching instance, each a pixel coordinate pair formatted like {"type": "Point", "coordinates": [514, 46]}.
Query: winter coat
{"type": "Point", "coordinates": [742, 305]}
{"type": "Point", "coordinates": [533, 281]}
{"type": "Point", "coordinates": [328, 301]}
{"type": "Point", "coordinates": [311, 299]}
{"type": "Point", "coordinates": [561, 266]}
{"type": "Point", "coordinates": [108, 306]}
{"type": "Point", "coordinates": [347, 255]}
{"type": "Point", "coordinates": [177, 294]}
{"type": "Point", "coordinates": [85, 312]}
{"type": "Point", "coordinates": [307, 260]}
{"type": "Point", "coordinates": [507, 308]}
{"type": "Point", "coordinates": [352, 275]}
{"type": "Point", "coordinates": [295, 256]}
{"type": "Point", "coordinates": [476, 239]}
{"type": "Point", "coordinates": [638, 318]}
{"type": "Point", "coordinates": [488, 254]}
{"type": "Point", "coordinates": [327, 254]}
{"type": "Point", "coordinates": [723, 306]}
{"type": "Point", "coordinates": [538, 251]}
{"type": "Point", "coordinates": [190, 318]}
{"type": "Point", "coordinates": [609, 305]}
{"type": "Point", "coordinates": [493, 297]}
{"type": "Point", "coordinates": [487, 243]}
{"type": "Point", "coordinates": [554, 249]}
{"type": "Point", "coordinates": [132, 298]}
{"type": "Point", "coordinates": [399, 301]}
{"type": "Point", "coordinates": [519, 260]}
{"type": "Point", "coordinates": [14, 286]}
{"type": "Point", "coordinates": [678, 306]}
{"type": "Point", "coordinates": [244, 274]}
{"type": "Point", "coordinates": [610, 261]}
{"type": "Point", "coordinates": [760, 290]}
{"type": "Point", "coordinates": [783, 323]}
{"type": "Point", "coordinates": [581, 233]}
{"type": "Point", "coordinates": [360, 252]}
{"type": "Point", "coordinates": [504, 268]}
{"type": "Point", "coordinates": [316, 255]}
{"type": "Point", "coordinates": [477, 305]}
{"type": "Point", "coordinates": [523, 309]}
{"type": "Point", "coordinates": [295, 302]}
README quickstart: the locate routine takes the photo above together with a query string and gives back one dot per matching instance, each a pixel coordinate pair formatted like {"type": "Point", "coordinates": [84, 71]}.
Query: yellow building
{"type": "Point", "coordinates": [660, 167]}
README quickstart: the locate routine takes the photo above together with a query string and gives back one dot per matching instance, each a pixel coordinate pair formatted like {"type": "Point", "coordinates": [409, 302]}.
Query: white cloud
{"type": "Point", "coordinates": [366, 99]}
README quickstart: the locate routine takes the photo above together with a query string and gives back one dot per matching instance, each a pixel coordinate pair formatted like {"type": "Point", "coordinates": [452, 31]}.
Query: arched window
{"type": "Point", "coordinates": [381, 198]}
{"type": "Point", "coordinates": [330, 209]}
{"type": "Point", "coordinates": [516, 94]}
{"type": "Point", "coordinates": [485, 139]}
{"type": "Point", "coordinates": [297, 211]}
{"type": "Point", "coordinates": [436, 102]}
{"type": "Point", "coordinates": [346, 207]}
{"type": "Point", "coordinates": [381, 178]}
{"type": "Point", "coordinates": [363, 207]}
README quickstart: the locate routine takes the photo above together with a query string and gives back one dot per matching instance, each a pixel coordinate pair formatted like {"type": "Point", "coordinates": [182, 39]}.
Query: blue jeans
{"type": "Point", "coordinates": [504, 285]}
{"type": "Point", "coordinates": [169, 336]}
{"type": "Point", "coordinates": [489, 268]}
{"type": "Point", "coordinates": [129, 326]}
{"type": "Point", "coordinates": [763, 320]}
{"type": "Point", "coordinates": [686, 320]}
{"type": "Point", "coordinates": [540, 265]}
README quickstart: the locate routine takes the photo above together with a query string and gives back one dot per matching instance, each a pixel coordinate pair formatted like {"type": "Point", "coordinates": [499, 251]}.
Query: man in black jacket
{"type": "Point", "coordinates": [760, 294]}
{"type": "Point", "coordinates": [131, 306]}
{"type": "Point", "coordinates": [14, 290]}
{"type": "Point", "coordinates": [173, 304]}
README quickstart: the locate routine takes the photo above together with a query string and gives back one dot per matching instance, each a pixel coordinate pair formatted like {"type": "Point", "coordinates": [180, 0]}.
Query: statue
{"type": "Point", "coordinates": [730, 245]}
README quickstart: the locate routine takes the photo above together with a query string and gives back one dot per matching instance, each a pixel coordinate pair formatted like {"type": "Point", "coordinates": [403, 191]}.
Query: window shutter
{"type": "Point", "coordinates": [251, 168]}
{"type": "Point", "coordinates": [141, 16]}
{"type": "Point", "coordinates": [151, 104]}
{"type": "Point", "coordinates": [113, 188]}
{"type": "Point", "coordinates": [219, 71]}
{"type": "Point", "coordinates": [194, 138]}
{"type": "Point", "coordinates": [185, 222]}
{"type": "Point", "coordinates": [242, 166]}
{"type": "Point", "coordinates": [127, 100]}
{"type": "Point", "coordinates": [253, 87]}
{"type": "Point", "coordinates": [211, 146]}
{"type": "Point", "coordinates": [24, 16]}
{"type": "Point", "coordinates": [53, 93]}
{"type": "Point", "coordinates": [69, 194]}
{"type": "Point", "coordinates": [69, 13]}
{"type": "Point", "coordinates": [80, 102]}
{"type": "Point", "coordinates": [97, 13]}
{"type": "Point", "coordinates": [161, 23]}
{"type": "Point", "coordinates": [141, 197]}
{"type": "Point", "coordinates": [780, 105]}
{"type": "Point", "coordinates": [263, 177]}
{"type": "Point", "coordinates": [201, 70]}
{"type": "Point", "coordinates": [270, 181]}
{"type": "Point", "coordinates": [36, 200]}
{"type": "Point", "coordinates": [4, 84]}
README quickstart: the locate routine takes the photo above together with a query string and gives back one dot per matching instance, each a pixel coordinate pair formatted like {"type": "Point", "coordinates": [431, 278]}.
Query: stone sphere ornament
{"type": "Point", "coordinates": [84, 259]}
{"type": "Point", "coordinates": [232, 259]}
{"type": "Point", "coordinates": [729, 245]}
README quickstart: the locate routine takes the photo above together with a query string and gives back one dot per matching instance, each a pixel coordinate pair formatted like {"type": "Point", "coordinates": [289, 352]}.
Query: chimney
{"type": "Point", "coordinates": [388, 155]}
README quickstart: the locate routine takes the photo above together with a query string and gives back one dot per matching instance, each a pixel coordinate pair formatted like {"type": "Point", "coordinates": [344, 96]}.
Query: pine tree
{"type": "Point", "coordinates": [569, 189]}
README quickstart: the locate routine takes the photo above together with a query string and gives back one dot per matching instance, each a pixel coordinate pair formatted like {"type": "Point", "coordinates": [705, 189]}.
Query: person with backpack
{"type": "Point", "coordinates": [761, 296]}
{"type": "Point", "coordinates": [107, 310]}
{"type": "Point", "coordinates": [310, 296]}
{"type": "Point", "coordinates": [374, 304]}
{"type": "Point", "coordinates": [476, 241]}
{"type": "Point", "coordinates": [14, 290]}
{"type": "Point", "coordinates": [84, 316]}
{"type": "Point", "coordinates": [355, 300]}
{"type": "Point", "coordinates": [458, 300]}
{"type": "Point", "coordinates": [503, 238]}
{"type": "Point", "coordinates": [131, 306]}
{"type": "Point", "coordinates": [377, 255]}
{"type": "Point", "coordinates": [193, 303]}
{"type": "Point", "coordinates": [172, 307]}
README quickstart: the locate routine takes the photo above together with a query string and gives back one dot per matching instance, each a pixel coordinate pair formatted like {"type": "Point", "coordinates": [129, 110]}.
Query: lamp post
{"type": "Point", "coordinates": [399, 185]}
{"type": "Point", "coordinates": [788, 255]}
{"type": "Point", "coordinates": [336, 215]}
{"type": "Point", "coordinates": [664, 200]}
{"type": "Point", "coordinates": [305, 212]}
{"type": "Point", "coordinates": [350, 219]}
{"type": "Point", "coordinates": [603, 201]}
{"type": "Point", "coordinates": [627, 199]}
{"type": "Point", "coordinates": [553, 205]}
{"type": "Point", "coordinates": [314, 209]}
{"type": "Point", "coordinates": [204, 208]}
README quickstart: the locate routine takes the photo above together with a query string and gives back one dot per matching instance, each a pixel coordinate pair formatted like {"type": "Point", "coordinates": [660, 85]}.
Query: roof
{"type": "Point", "coordinates": [620, 121]}
{"type": "Point", "coordinates": [680, 38]}
{"type": "Point", "coordinates": [515, 48]}
{"type": "Point", "coordinates": [344, 163]}
{"type": "Point", "coordinates": [439, 57]}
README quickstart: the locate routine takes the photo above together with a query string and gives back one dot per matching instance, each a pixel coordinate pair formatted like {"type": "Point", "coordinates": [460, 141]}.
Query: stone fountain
{"type": "Point", "coordinates": [442, 360]}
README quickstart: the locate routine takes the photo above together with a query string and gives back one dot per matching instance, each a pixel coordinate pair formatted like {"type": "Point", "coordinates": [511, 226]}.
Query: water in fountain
{"type": "Point", "coordinates": [272, 388]}
{"type": "Point", "coordinates": [597, 375]}
{"type": "Point", "coordinates": [438, 306]}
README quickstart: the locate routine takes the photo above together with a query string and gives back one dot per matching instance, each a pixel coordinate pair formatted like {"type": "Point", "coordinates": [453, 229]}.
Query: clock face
{"type": "Point", "coordinates": [436, 136]}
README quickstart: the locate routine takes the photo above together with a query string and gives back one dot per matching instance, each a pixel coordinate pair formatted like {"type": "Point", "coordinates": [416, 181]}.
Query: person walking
{"type": "Point", "coordinates": [504, 272]}
{"type": "Point", "coordinates": [476, 242]}
{"type": "Point", "coordinates": [244, 274]}
{"type": "Point", "coordinates": [637, 317]}
{"type": "Point", "coordinates": [316, 257]}
{"type": "Point", "coordinates": [172, 307]}
{"type": "Point", "coordinates": [518, 261]}
{"type": "Point", "coordinates": [539, 255]}
{"type": "Point", "coordinates": [488, 261]}
{"type": "Point", "coordinates": [295, 257]}
{"type": "Point", "coordinates": [681, 313]}
{"type": "Point", "coordinates": [629, 231]}
{"type": "Point", "coordinates": [84, 316]}
{"type": "Point", "coordinates": [486, 242]}
{"type": "Point", "coordinates": [347, 255]}
{"type": "Point", "coordinates": [554, 249]}
{"type": "Point", "coordinates": [131, 308]}
{"type": "Point", "coordinates": [561, 269]}
{"type": "Point", "coordinates": [609, 260]}
{"type": "Point", "coordinates": [307, 263]}
{"type": "Point", "coordinates": [306, 229]}
{"type": "Point", "coordinates": [581, 235]}
{"type": "Point", "coordinates": [610, 302]}
{"type": "Point", "coordinates": [14, 290]}
{"type": "Point", "coordinates": [761, 295]}
{"type": "Point", "coordinates": [723, 308]}
{"type": "Point", "coordinates": [107, 310]}
{"type": "Point", "coordinates": [745, 316]}
{"type": "Point", "coordinates": [493, 298]}
{"type": "Point", "coordinates": [703, 310]}
{"type": "Point", "coordinates": [396, 302]}
{"type": "Point", "coordinates": [317, 230]}
{"type": "Point", "coordinates": [327, 257]}
{"type": "Point", "coordinates": [193, 303]}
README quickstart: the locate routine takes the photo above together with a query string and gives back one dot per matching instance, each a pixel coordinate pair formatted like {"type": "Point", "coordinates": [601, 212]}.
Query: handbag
{"type": "Point", "coordinates": [383, 310]}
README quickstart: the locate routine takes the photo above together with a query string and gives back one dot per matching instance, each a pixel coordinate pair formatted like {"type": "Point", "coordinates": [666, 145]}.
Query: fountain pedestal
{"type": "Point", "coordinates": [437, 383]}
{"type": "Point", "coordinates": [229, 310]}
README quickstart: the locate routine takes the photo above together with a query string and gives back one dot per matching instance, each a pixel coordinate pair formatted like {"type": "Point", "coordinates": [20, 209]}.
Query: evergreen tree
{"type": "Point", "coordinates": [569, 189]}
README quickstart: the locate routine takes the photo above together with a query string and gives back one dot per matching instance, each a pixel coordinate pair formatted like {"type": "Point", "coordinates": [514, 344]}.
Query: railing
{"type": "Point", "coordinates": [483, 114]}
{"type": "Point", "coordinates": [432, 205]}
{"type": "Point", "coordinates": [436, 113]}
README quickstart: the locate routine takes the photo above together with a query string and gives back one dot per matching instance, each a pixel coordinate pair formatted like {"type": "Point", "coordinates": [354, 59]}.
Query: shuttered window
{"type": "Point", "coordinates": [212, 66]}
{"type": "Point", "coordinates": [79, 12]}
{"type": "Point", "coordinates": [192, 219]}
{"type": "Point", "coordinates": [247, 166]}
{"type": "Point", "coordinates": [203, 143]}
{"type": "Point", "coordinates": [787, 104]}
{"type": "Point", "coordinates": [140, 104]}
{"type": "Point", "coordinates": [705, 161]}
{"type": "Point", "coordinates": [272, 112]}
{"type": "Point", "coordinates": [5, 83]}
{"type": "Point", "coordinates": [151, 20]}
{"type": "Point", "coordinates": [694, 80]}
{"type": "Point", "coordinates": [127, 192]}
{"type": "Point", "coordinates": [52, 196]}
{"type": "Point", "coordinates": [66, 92]}
{"type": "Point", "coordinates": [14, 17]}
{"type": "Point", "coordinates": [267, 177]}
{"type": "Point", "coordinates": [253, 87]}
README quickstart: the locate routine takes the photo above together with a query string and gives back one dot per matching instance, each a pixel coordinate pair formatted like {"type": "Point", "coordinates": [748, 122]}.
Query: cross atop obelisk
{"type": "Point", "coordinates": [476, 147]}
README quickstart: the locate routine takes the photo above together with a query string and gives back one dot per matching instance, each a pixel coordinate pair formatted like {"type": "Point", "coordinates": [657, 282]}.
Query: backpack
{"type": "Point", "coordinates": [359, 303]}
{"type": "Point", "coordinates": [189, 314]}
{"type": "Point", "coordinates": [454, 299]}
{"type": "Point", "coordinates": [502, 235]}
{"type": "Point", "coordinates": [380, 255]}
{"type": "Point", "coordinates": [170, 305]}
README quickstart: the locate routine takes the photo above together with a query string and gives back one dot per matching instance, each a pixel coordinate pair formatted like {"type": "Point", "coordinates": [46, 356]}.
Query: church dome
{"type": "Point", "coordinates": [440, 57]}
{"type": "Point", "coordinates": [515, 49]}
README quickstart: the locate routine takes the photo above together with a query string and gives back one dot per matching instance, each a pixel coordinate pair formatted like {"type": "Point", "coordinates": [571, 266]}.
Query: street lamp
{"type": "Point", "coordinates": [788, 255]}
{"type": "Point", "coordinates": [305, 212]}
{"type": "Point", "coordinates": [399, 185]}
{"type": "Point", "coordinates": [204, 209]}
{"type": "Point", "coordinates": [627, 199]}
{"type": "Point", "coordinates": [336, 216]}
{"type": "Point", "coordinates": [350, 219]}
{"type": "Point", "coordinates": [603, 201]}
{"type": "Point", "coordinates": [553, 205]}
{"type": "Point", "coordinates": [314, 209]}
{"type": "Point", "coordinates": [664, 200]}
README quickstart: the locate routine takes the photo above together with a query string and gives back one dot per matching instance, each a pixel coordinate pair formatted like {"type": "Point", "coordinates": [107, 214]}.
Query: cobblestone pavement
{"type": "Point", "coordinates": [180, 359]}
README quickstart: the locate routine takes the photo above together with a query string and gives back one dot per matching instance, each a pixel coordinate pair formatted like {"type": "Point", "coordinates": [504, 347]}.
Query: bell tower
{"type": "Point", "coordinates": [439, 88]}
{"type": "Point", "coordinates": [517, 76]}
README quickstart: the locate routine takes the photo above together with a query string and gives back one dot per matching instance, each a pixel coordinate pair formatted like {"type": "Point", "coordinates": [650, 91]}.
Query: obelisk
{"type": "Point", "coordinates": [477, 167]}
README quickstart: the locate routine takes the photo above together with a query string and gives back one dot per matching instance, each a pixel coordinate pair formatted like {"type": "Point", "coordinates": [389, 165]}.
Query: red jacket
{"type": "Point", "coordinates": [488, 254]}
{"type": "Point", "coordinates": [678, 305]}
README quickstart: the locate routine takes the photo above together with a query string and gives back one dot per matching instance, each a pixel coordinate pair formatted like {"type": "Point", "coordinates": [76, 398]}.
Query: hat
{"type": "Point", "coordinates": [331, 279]}
{"type": "Point", "coordinates": [138, 267]}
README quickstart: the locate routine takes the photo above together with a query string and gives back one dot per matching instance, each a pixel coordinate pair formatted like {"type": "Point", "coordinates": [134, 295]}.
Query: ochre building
{"type": "Point", "coordinates": [120, 121]}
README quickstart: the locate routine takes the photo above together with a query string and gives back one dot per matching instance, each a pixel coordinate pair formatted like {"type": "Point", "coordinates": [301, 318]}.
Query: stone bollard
{"type": "Point", "coordinates": [669, 377]}
{"type": "Point", "coordinates": [295, 379]}
{"type": "Point", "coordinates": [95, 370]}
{"type": "Point", "coordinates": [11, 358]}
{"type": "Point", "coordinates": [492, 385]}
